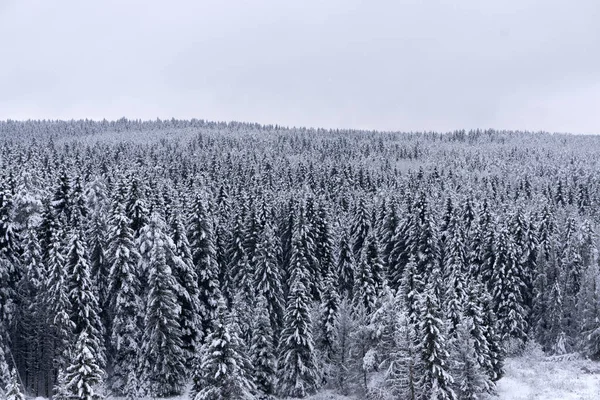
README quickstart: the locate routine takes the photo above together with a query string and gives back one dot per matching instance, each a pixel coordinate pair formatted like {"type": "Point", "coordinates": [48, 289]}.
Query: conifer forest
{"type": "Point", "coordinates": [207, 261]}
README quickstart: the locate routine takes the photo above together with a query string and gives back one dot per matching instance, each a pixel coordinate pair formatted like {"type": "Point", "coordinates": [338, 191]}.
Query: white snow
{"type": "Point", "coordinates": [538, 377]}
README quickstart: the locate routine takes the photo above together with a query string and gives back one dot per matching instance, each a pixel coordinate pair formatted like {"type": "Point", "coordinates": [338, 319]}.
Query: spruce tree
{"type": "Point", "coordinates": [83, 374]}
{"type": "Point", "coordinates": [124, 305]}
{"type": "Point", "coordinates": [223, 371]}
{"type": "Point", "coordinates": [162, 368]}
{"type": "Point", "coordinates": [298, 374]}
{"type": "Point", "coordinates": [267, 278]}
{"type": "Point", "coordinates": [181, 262]}
{"type": "Point", "coordinates": [205, 262]}
{"type": "Point", "coordinates": [470, 379]}
{"type": "Point", "coordinates": [262, 351]}
{"type": "Point", "coordinates": [507, 287]}
{"type": "Point", "coordinates": [85, 311]}
{"type": "Point", "coordinates": [436, 380]}
{"type": "Point", "coordinates": [345, 266]}
{"type": "Point", "coordinates": [13, 389]}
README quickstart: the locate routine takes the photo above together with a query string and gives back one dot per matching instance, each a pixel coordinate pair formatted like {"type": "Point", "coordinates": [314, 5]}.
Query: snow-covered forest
{"type": "Point", "coordinates": [239, 261]}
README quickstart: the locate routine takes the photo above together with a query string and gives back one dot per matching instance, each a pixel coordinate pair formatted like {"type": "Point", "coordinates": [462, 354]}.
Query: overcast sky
{"type": "Point", "coordinates": [390, 65]}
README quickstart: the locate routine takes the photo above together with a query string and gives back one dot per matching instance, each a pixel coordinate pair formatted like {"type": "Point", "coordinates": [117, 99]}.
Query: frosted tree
{"type": "Point", "coordinates": [13, 389]}
{"type": "Point", "coordinates": [223, 371]}
{"type": "Point", "coordinates": [83, 374]}
{"type": "Point", "coordinates": [124, 305]}
{"type": "Point", "coordinates": [298, 374]}
{"type": "Point", "coordinates": [262, 351]}
{"type": "Point", "coordinates": [401, 373]}
{"type": "Point", "coordinates": [267, 279]}
{"type": "Point", "coordinates": [329, 310]}
{"type": "Point", "coordinates": [205, 262]}
{"type": "Point", "coordinates": [162, 368]}
{"type": "Point", "coordinates": [345, 266]}
{"type": "Point", "coordinates": [365, 288]}
{"type": "Point", "coordinates": [361, 226]}
{"type": "Point", "coordinates": [470, 379]}
{"type": "Point", "coordinates": [435, 381]}
{"type": "Point", "coordinates": [85, 310]}
{"type": "Point", "coordinates": [507, 286]}
{"type": "Point", "coordinates": [180, 259]}
{"type": "Point", "coordinates": [57, 301]}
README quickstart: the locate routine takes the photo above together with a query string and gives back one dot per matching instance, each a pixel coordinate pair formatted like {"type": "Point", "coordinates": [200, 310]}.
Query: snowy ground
{"type": "Point", "coordinates": [538, 377]}
{"type": "Point", "coordinates": [532, 377]}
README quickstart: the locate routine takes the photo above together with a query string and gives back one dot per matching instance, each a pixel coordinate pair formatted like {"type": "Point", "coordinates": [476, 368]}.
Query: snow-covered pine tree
{"type": "Point", "coordinates": [435, 380]}
{"type": "Point", "coordinates": [365, 289]}
{"type": "Point", "coordinates": [162, 359]}
{"type": "Point", "coordinates": [136, 207]}
{"type": "Point", "coordinates": [262, 351]}
{"type": "Point", "coordinates": [180, 259]}
{"type": "Point", "coordinates": [361, 225]}
{"type": "Point", "coordinates": [345, 266]}
{"type": "Point", "coordinates": [267, 278]}
{"type": "Point", "coordinates": [345, 326]}
{"type": "Point", "coordinates": [373, 258]}
{"type": "Point", "coordinates": [85, 310]}
{"type": "Point", "coordinates": [223, 371]}
{"type": "Point", "coordinates": [471, 381]}
{"type": "Point", "coordinates": [205, 262]}
{"type": "Point", "coordinates": [124, 306]}
{"type": "Point", "coordinates": [57, 302]}
{"type": "Point", "coordinates": [298, 373]}
{"type": "Point", "coordinates": [401, 373]}
{"type": "Point", "coordinates": [328, 318]}
{"type": "Point", "coordinates": [83, 374]}
{"type": "Point", "coordinates": [13, 389]}
{"type": "Point", "coordinates": [507, 287]}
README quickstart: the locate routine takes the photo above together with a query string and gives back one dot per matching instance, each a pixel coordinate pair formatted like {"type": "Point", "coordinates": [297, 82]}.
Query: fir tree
{"type": "Point", "coordinates": [345, 267]}
{"type": "Point", "coordinates": [298, 375]}
{"type": "Point", "coordinates": [13, 389]}
{"type": "Point", "coordinates": [507, 289]}
{"type": "Point", "coordinates": [83, 374]}
{"type": "Point", "coordinates": [223, 372]}
{"type": "Point", "coordinates": [125, 305]}
{"type": "Point", "coordinates": [262, 351]}
{"type": "Point", "coordinates": [84, 311]}
{"type": "Point", "coordinates": [436, 380]}
{"type": "Point", "coordinates": [205, 262]}
{"type": "Point", "coordinates": [267, 279]}
{"type": "Point", "coordinates": [162, 367]}
{"type": "Point", "coordinates": [470, 379]}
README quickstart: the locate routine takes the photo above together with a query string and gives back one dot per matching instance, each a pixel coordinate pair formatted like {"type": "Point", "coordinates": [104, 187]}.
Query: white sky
{"type": "Point", "coordinates": [391, 65]}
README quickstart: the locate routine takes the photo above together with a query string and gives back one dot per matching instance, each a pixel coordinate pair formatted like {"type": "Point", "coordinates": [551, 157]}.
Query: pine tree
{"type": "Point", "coordinates": [84, 311]}
{"type": "Point", "coordinates": [125, 305]}
{"type": "Point", "coordinates": [13, 389]}
{"type": "Point", "coordinates": [262, 351]}
{"type": "Point", "coordinates": [162, 368]}
{"type": "Point", "coordinates": [57, 302]}
{"type": "Point", "coordinates": [345, 326]}
{"type": "Point", "coordinates": [83, 373]}
{"type": "Point", "coordinates": [435, 381]}
{"type": "Point", "coordinates": [205, 262]}
{"type": "Point", "coordinates": [223, 372]}
{"type": "Point", "coordinates": [470, 379]}
{"type": "Point", "coordinates": [180, 258]}
{"type": "Point", "coordinates": [298, 375]}
{"type": "Point", "coordinates": [328, 319]}
{"type": "Point", "coordinates": [360, 227]}
{"type": "Point", "coordinates": [402, 355]}
{"type": "Point", "coordinates": [345, 267]}
{"type": "Point", "coordinates": [507, 289]}
{"type": "Point", "coordinates": [365, 289]}
{"type": "Point", "coordinates": [267, 279]}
